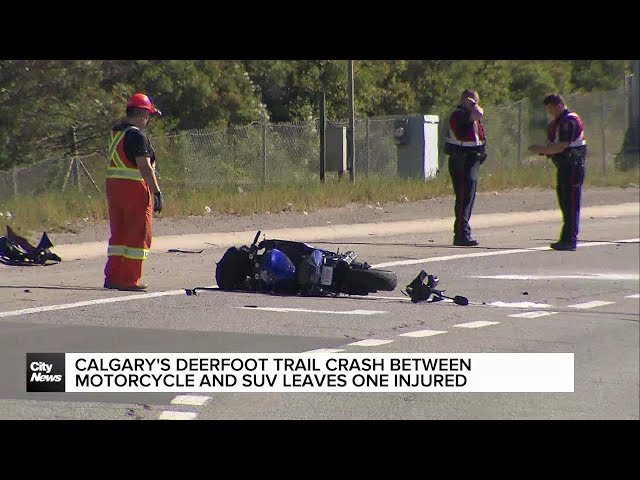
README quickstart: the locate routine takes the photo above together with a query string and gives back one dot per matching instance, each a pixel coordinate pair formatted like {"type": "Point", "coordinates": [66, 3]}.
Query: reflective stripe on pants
{"type": "Point", "coordinates": [130, 218]}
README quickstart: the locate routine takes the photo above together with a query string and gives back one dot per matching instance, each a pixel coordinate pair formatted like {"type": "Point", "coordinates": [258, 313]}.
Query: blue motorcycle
{"type": "Point", "coordinates": [287, 267]}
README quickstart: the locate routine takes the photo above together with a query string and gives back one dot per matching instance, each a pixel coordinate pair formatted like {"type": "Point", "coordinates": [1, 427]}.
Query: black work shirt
{"type": "Point", "coordinates": [136, 143]}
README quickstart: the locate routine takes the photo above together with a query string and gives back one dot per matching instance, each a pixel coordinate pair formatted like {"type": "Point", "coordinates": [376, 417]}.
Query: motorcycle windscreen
{"type": "Point", "coordinates": [277, 266]}
{"type": "Point", "coordinates": [310, 269]}
{"type": "Point", "coordinates": [317, 258]}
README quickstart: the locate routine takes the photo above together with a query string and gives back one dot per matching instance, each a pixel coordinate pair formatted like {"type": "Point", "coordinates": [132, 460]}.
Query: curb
{"type": "Point", "coordinates": [81, 251]}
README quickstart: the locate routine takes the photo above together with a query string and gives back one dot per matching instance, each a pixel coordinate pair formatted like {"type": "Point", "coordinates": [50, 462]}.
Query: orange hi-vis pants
{"type": "Point", "coordinates": [130, 216]}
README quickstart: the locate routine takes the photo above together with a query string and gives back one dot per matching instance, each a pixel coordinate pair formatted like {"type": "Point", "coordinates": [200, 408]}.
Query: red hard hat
{"type": "Point", "coordinates": [140, 100]}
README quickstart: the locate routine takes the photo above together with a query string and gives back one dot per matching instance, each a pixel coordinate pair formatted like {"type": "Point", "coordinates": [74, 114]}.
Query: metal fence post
{"type": "Point", "coordinates": [626, 89]}
{"type": "Point", "coordinates": [15, 181]}
{"type": "Point", "coordinates": [520, 132]}
{"type": "Point", "coordinates": [635, 107]}
{"type": "Point", "coordinates": [350, 131]}
{"type": "Point", "coordinates": [76, 170]}
{"type": "Point", "coordinates": [604, 135]}
{"type": "Point", "coordinates": [367, 126]}
{"type": "Point", "coordinates": [66, 178]}
{"type": "Point", "coordinates": [73, 166]}
{"type": "Point", "coordinates": [264, 153]}
{"type": "Point", "coordinates": [86, 172]}
{"type": "Point", "coordinates": [323, 126]}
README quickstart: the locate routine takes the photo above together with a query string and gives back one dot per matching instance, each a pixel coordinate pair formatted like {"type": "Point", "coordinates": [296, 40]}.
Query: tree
{"type": "Point", "coordinates": [40, 100]}
{"type": "Point", "coordinates": [589, 75]}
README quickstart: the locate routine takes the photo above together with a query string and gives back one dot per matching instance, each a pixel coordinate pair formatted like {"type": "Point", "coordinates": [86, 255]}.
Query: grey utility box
{"type": "Point", "coordinates": [336, 149]}
{"type": "Point", "coordinates": [416, 139]}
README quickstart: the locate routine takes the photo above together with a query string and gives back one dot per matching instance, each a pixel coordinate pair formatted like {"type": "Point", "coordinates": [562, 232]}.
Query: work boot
{"type": "Point", "coordinates": [139, 287]}
{"type": "Point", "coordinates": [467, 242]}
{"type": "Point", "coordinates": [563, 246]}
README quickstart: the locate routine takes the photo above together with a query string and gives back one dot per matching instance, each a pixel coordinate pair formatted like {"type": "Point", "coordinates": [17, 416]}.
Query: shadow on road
{"type": "Point", "coordinates": [423, 245]}
{"type": "Point", "coordinates": [42, 287]}
{"type": "Point", "coordinates": [582, 240]}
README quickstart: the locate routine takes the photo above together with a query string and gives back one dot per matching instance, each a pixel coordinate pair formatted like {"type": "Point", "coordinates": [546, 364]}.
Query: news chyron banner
{"type": "Point", "coordinates": [300, 372]}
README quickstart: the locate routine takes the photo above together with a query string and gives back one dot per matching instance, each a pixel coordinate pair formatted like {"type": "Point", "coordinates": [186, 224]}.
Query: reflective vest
{"type": "Point", "coordinates": [118, 162]}
{"type": "Point", "coordinates": [554, 131]}
{"type": "Point", "coordinates": [472, 137]}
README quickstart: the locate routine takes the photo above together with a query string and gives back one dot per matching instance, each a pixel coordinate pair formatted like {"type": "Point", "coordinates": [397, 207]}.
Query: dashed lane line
{"type": "Point", "coordinates": [477, 324]}
{"type": "Point", "coordinates": [195, 400]}
{"type": "Point", "coordinates": [174, 415]}
{"type": "Point", "coordinates": [592, 304]}
{"type": "Point", "coordinates": [325, 350]}
{"type": "Point", "coordinates": [534, 314]}
{"type": "Point", "coordinates": [422, 333]}
{"type": "Point", "coordinates": [370, 342]}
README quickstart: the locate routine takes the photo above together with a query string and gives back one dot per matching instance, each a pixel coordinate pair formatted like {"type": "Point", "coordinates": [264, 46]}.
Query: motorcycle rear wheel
{"type": "Point", "coordinates": [361, 282]}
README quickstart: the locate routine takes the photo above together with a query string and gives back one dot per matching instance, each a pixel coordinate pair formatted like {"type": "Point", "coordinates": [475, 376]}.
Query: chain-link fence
{"type": "Point", "coordinates": [511, 129]}
{"type": "Point", "coordinates": [260, 154]}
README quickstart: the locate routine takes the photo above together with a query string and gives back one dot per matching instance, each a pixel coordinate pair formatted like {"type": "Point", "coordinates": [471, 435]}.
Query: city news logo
{"type": "Point", "coordinates": [45, 372]}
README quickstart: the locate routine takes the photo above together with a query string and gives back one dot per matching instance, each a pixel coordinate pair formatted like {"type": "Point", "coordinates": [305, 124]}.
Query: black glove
{"type": "Point", "coordinates": [157, 202]}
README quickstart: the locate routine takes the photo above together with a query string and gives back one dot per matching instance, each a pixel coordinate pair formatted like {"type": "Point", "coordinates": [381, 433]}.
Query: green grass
{"type": "Point", "coordinates": [57, 212]}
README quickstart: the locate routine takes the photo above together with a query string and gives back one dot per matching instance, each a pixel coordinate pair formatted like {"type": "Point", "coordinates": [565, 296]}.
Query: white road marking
{"type": "Point", "coordinates": [406, 299]}
{"type": "Point", "coordinates": [478, 304]}
{"type": "Point", "coordinates": [478, 324]}
{"type": "Point", "coordinates": [380, 297]}
{"type": "Point", "coordinates": [190, 400]}
{"type": "Point", "coordinates": [372, 342]}
{"type": "Point", "coordinates": [48, 308]}
{"type": "Point", "coordinates": [326, 350]}
{"type": "Point", "coordinates": [493, 253]}
{"type": "Point", "coordinates": [456, 257]}
{"type": "Point", "coordinates": [532, 314]}
{"type": "Point", "coordinates": [519, 305]}
{"type": "Point", "coordinates": [422, 333]}
{"type": "Point", "coordinates": [584, 276]}
{"type": "Point", "coordinates": [142, 296]}
{"type": "Point", "coordinates": [595, 303]}
{"type": "Point", "coordinates": [171, 415]}
{"type": "Point", "coordinates": [637, 295]}
{"type": "Point", "coordinates": [306, 310]}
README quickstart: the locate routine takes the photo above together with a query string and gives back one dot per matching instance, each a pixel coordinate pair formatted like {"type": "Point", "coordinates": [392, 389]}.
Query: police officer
{"type": "Point", "coordinates": [465, 145]}
{"type": "Point", "coordinates": [567, 148]}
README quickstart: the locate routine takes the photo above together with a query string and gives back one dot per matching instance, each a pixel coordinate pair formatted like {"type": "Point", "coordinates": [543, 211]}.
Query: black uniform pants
{"type": "Point", "coordinates": [464, 175]}
{"type": "Point", "coordinates": [570, 177]}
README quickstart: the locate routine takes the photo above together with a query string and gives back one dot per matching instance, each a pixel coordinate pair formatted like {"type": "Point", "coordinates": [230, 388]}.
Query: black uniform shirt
{"type": "Point", "coordinates": [136, 143]}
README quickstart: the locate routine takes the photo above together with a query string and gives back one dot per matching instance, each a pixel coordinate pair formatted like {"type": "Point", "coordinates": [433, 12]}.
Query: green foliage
{"type": "Point", "coordinates": [589, 75]}
{"type": "Point", "coordinates": [40, 100]}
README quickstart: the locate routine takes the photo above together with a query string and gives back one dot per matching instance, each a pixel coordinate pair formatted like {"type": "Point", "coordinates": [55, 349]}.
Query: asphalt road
{"type": "Point", "coordinates": [604, 337]}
